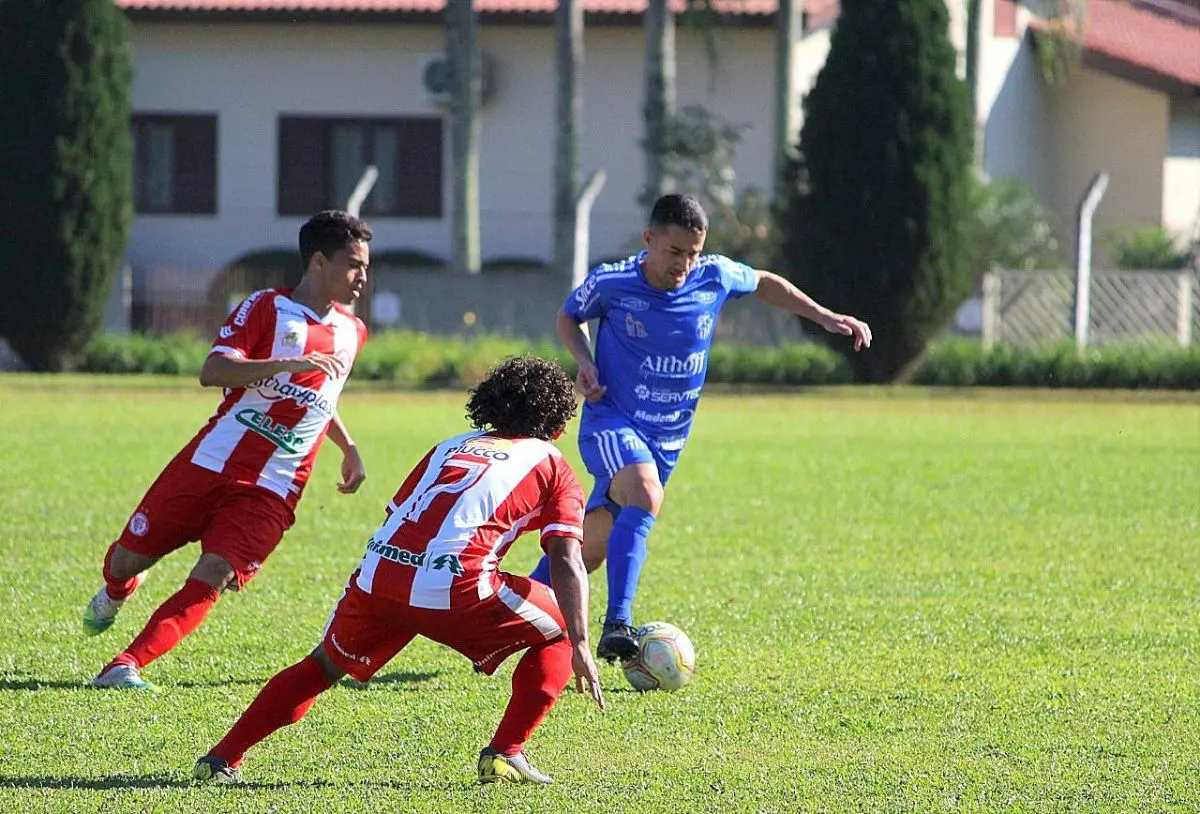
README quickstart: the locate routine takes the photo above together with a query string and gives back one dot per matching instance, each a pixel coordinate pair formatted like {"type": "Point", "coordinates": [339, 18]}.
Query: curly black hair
{"type": "Point", "coordinates": [523, 397]}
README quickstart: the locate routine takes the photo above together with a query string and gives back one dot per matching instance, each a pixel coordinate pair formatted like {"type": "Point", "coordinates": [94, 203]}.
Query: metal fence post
{"type": "Point", "coordinates": [1083, 258]}
{"type": "Point", "coordinates": [1183, 319]}
{"type": "Point", "coordinates": [991, 309]}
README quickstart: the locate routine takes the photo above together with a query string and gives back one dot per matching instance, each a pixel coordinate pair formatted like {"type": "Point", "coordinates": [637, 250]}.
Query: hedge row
{"type": "Point", "coordinates": [414, 360]}
{"type": "Point", "coordinates": [964, 363]}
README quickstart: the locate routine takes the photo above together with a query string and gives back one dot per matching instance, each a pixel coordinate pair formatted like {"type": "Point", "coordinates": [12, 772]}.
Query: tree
{"type": "Point", "coordinates": [658, 107]}
{"type": "Point", "coordinates": [879, 199]}
{"type": "Point", "coordinates": [466, 84]}
{"type": "Point", "coordinates": [65, 204]}
{"type": "Point", "coordinates": [569, 56]}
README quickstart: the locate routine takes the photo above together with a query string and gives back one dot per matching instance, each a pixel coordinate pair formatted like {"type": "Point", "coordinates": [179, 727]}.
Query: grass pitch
{"type": "Point", "coordinates": [901, 601]}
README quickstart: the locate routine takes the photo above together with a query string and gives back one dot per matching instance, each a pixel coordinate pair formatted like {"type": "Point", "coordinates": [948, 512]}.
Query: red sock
{"type": "Point", "coordinates": [540, 677]}
{"type": "Point", "coordinates": [171, 623]}
{"type": "Point", "coordinates": [118, 589]}
{"type": "Point", "coordinates": [282, 701]}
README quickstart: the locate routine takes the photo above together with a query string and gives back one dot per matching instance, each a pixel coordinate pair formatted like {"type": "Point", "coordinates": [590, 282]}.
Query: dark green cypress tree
{"type": "Point", "coordinates": [874, 217]}
{"type": "Point", "coordinates": [66, 68]}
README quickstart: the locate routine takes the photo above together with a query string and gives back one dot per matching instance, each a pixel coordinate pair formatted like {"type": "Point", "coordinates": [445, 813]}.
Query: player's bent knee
{"type": "Point", "coordinates": [125, 564]}
{"type": "Point", "coordinates": [215, 571]}
{"type": "Point", "coordinates": [593, 560]}
{"type": "Point", "coordinates": [333, 673]}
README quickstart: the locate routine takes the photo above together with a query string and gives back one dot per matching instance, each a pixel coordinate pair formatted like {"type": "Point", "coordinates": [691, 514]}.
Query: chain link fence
{"type": "Point", "coordinates": [1032, 308]}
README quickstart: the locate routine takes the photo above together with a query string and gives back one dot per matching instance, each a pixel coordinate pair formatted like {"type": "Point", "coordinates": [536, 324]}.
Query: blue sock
{"type": "Point", "coordinates": [626, 556]}
{"type": "Point", "coordinates": [541, 571]}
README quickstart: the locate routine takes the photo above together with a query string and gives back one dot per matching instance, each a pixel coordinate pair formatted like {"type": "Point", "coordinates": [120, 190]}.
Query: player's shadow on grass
{"type": "Point", "coordinates": [391, 678]}
{"type": "Point", "coordinates": [32, 684]}
{"type": "Point", "coordinates": [116, 781]}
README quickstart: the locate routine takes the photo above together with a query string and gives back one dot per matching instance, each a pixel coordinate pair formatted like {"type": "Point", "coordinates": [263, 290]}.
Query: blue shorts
{"type": "Point", "coordinates": [608, 448]}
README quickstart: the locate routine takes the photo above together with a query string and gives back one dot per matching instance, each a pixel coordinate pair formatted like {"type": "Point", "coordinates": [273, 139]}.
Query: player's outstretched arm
{"type": "Point", "coordinates": [775, 290]}
{"type": "Point", "coordinates": [232, 371]}
{"type": "Point", "coordinates": [568, 577]}
{"type": "Point", "coordinates": [575, 339]}
{"type": "Point", "coordinates": [354, 472]}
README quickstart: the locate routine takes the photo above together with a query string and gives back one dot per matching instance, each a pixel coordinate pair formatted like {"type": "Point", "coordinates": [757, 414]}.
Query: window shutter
{"type": "Point", "coordinates": [303, 166]}
{"type": "Point", "coordinates": [195, 165]}
{"type": "Point", "coordinates": [419, 168]}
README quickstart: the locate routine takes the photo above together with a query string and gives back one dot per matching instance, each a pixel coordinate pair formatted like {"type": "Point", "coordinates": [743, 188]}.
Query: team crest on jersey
{"type": "Point", "coordinates": [635, 327]}
{"type": "Point", "coordinates": [139, 524]}
{"type": "Point", "coordinates": [704, 326]}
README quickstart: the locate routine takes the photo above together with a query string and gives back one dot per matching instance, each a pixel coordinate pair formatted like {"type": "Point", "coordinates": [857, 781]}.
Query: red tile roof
{"type": "Point", "coordinates": [1132, 35]}
{"type": "Point", "coordinates": [749, 7]}
{"type": "Point", "coordinates": [1144, 39]}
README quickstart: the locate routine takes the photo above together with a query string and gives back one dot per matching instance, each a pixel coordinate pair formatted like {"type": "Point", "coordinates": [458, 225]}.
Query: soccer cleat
{"type": "Point", "coordinates": [214, 769]}
{"type": "Point", "coordinates": [121, 677]}
{"type": "Point", "coordinates": [618, 642]}
{"type": "Point", "coordinates": [494, 767]}
{"type": "Point", "coordinates": [101, 612]}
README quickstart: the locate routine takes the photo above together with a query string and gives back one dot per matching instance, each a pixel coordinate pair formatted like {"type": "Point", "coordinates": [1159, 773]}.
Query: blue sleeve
{"type": "Point", "coordinates": [736, 278]}
{"type": "Point", "coordinates": [587, 301]}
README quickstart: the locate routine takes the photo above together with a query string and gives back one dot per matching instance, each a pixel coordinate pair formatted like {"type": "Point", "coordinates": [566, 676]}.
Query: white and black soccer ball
{"type": "Point", "coordinates": [665, 660]}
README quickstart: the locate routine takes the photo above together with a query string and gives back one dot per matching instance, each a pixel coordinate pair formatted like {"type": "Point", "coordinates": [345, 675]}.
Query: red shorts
{"type": "Point", "coordinates": [238, 522]}
{"type": "Point", "coordinates": [365, 632]}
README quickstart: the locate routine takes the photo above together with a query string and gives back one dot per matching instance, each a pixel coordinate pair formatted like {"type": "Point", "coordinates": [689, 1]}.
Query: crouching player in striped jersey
{"type": "Point", "coordinates": [432, 570]}
{"type": "Point", "coordinates": [282, 357]}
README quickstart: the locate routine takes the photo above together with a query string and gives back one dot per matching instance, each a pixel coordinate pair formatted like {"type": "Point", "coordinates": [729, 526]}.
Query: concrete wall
{"type": "Point", "coordinates": [1104, 123]}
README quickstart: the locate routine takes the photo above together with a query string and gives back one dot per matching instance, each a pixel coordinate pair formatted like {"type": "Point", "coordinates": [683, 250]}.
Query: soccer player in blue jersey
{"type": "Point", "coordinates": [656, 311]}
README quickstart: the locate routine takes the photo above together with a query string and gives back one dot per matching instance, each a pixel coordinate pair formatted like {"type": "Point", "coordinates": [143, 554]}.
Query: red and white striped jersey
{"type": "Point", "coordinates": [268, 432]}
{"type": "Point", "coordinates": [459, 511]}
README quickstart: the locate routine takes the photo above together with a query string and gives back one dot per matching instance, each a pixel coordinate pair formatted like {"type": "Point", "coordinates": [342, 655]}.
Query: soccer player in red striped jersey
{"type": "Point", "coordinates": [282, 358]}
{"type": "Point", "coordinates": [432, 570]}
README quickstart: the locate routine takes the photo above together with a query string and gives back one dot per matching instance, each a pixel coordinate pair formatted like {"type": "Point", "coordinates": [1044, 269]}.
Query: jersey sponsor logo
{"type": "Point", "coordinates": [291, 339]}
{"type": "Point", "coordinates": [225, 332]}
{"type": "Point", "coordinates": [670, 444]}
{"type": "Point", "coordinates": [346, 654]}
{"type": "Point", "coordinates": [634, 304]}
{"type": "Point", "coordinates": [244, 312]}
{"type": "Point", "coordinates": [704, 297]}
{"type": "Point", "coordinates": [272, 389]}
{"type": "Point", "coordinates": [674, 420]}
{"type": "Point", "coordinates": [139, 524]}
{"type": "Point", "coordinates": [659, 396]}
{"type": "Point", "coordinates": [281, 436]}
{"type": "Point", "coordinates": [583, 294]}
{"type": "Point", "coordinates": [704, 326]}
{"type": "Point", "coordinates": [674, 367]}
{"type": "Point", "coordinates": [413, 559]}
{"type": "Point", "coordinates": [635, 327]}
{"type": "Point", "coordinates": [480, 452]}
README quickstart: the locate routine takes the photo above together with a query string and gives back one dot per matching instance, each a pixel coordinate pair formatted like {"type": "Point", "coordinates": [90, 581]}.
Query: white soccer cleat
{"type": "Point", "coordinates": [121, 677]}
{"type": "Point", "coordinates": [101, 612]}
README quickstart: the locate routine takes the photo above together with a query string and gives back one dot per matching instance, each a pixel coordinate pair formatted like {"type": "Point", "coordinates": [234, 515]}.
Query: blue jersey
{"type": "Point", "coordinates": [652, 345]}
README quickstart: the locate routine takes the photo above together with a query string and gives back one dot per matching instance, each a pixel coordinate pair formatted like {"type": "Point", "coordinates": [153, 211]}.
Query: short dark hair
{"type": "Point", "coordinates": [678, 210]}
{"type": "Point", "coordinates": [523, 397]}
{"type": "Point", "coordinates": [327, 232]}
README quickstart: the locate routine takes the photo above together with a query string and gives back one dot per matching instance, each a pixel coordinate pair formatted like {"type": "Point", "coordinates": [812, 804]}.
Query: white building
{"type": "Point", "coordinates": [251, 114]}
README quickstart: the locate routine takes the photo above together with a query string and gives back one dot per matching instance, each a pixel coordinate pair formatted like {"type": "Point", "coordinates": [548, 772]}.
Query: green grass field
{"type": "Point", "coordinates": [901, 601]}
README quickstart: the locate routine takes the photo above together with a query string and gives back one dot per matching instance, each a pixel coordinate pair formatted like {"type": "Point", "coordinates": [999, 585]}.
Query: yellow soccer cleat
{"type": "Point", "coordinates": [494, 767]}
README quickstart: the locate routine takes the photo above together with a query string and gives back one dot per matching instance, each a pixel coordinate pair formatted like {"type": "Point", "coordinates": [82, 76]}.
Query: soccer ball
{"type": "Point", "coordinates": [665, 658]}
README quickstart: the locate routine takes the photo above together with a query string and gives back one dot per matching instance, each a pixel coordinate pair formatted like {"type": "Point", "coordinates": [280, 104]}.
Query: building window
{"type": "Point", "coordinates": [321, 160]}
{"type": "Point", "coordinates": [174, 164]}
